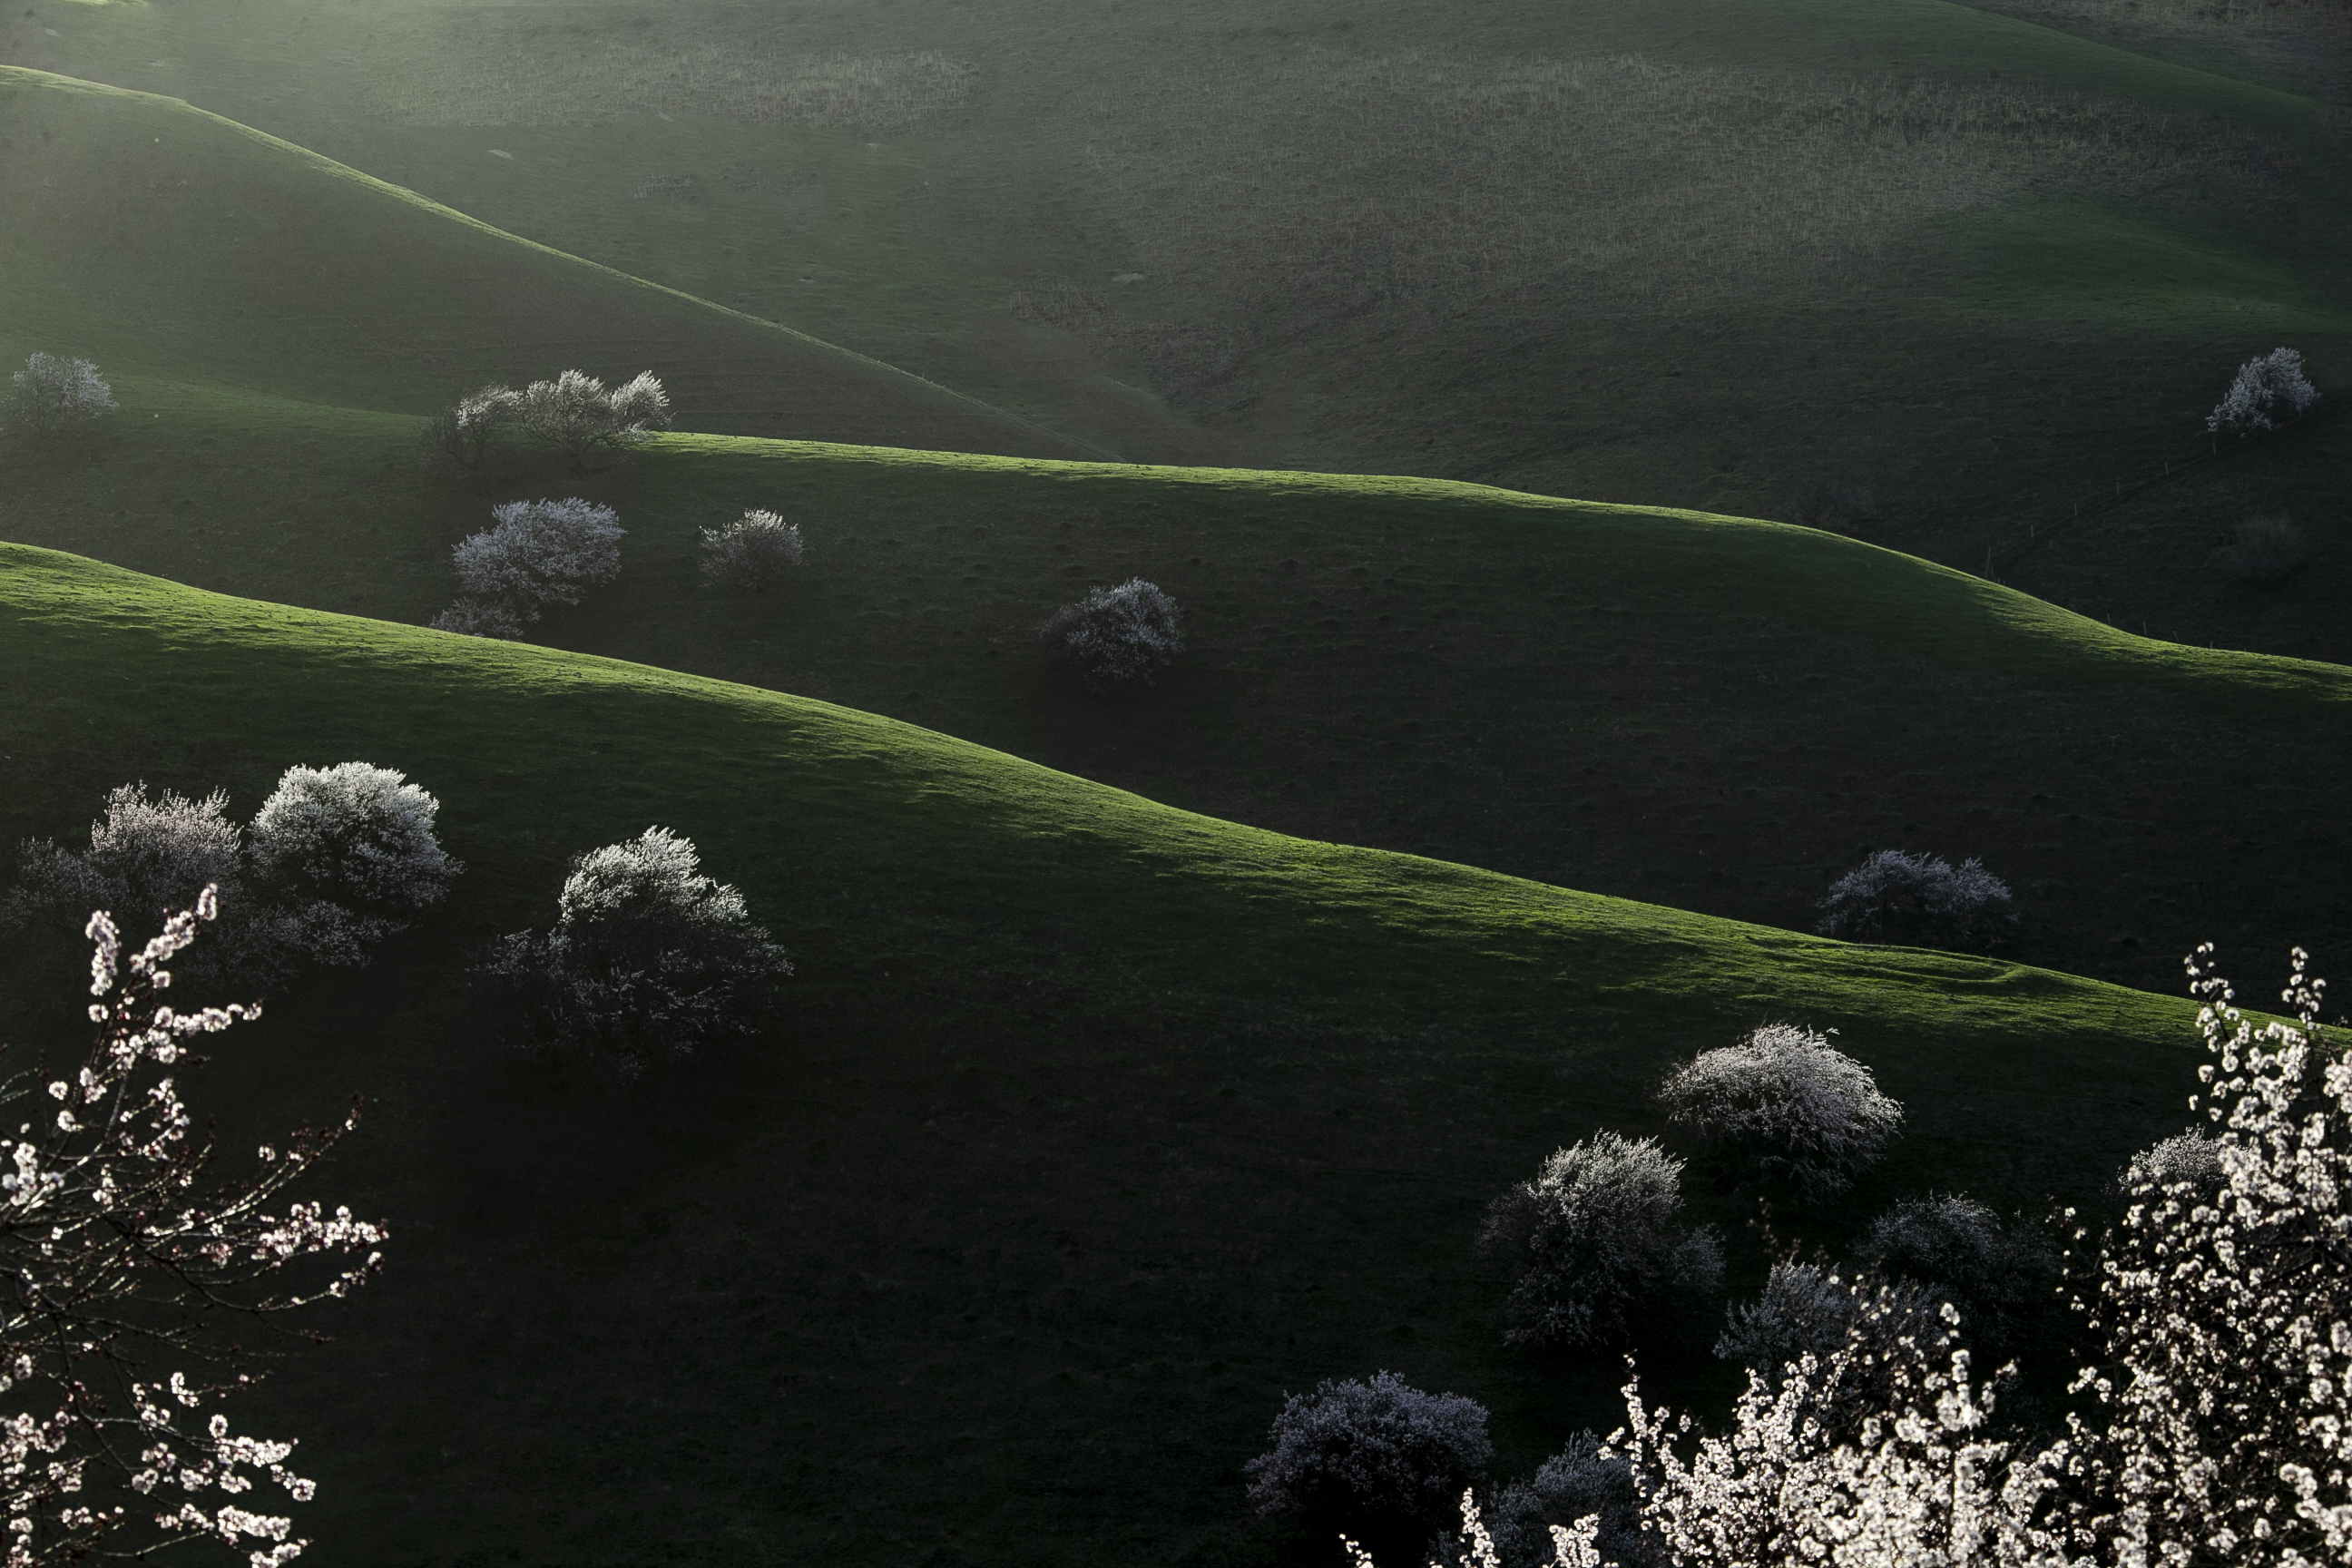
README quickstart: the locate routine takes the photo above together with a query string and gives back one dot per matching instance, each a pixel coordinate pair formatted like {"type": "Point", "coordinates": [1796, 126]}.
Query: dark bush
{"type": "Point", "coordinates": [1959, 1249]}
{"type": "Point", "coordinates": [1575, 1483]}
{"type": "Point", "coordinates": [646, 957]}
{"type": "Point", "coordinates": [1919, 900]}
{"type": "Point", "coordinates": [1836, 506]}
{"type": "Point", "coordinates": [1371, 1453]}
{"type": "Point", "coordinates": [2264, 551]}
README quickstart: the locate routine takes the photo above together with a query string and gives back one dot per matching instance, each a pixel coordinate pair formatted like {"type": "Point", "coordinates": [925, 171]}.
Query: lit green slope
{"type": "Point", "coordinates": [1714, 713]}
{"type": "Point", "coordinates": [144, 234]}
{"type": "Point", "coordinates": [1095, 1125]}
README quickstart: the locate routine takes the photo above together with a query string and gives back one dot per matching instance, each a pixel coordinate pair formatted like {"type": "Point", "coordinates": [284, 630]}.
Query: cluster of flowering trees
{"type": "Point", "coordinates": [646, 956]}
{"type": "Point", "coordinates": [574, 414]}
{"type": "Point", "coordinates": [336, 860]}
{"type": "Point", "coordinates": [2212, 1426]}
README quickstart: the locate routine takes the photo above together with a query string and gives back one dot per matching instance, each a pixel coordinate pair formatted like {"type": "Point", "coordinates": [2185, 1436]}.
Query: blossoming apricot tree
{"type": "Point", "coordinates": [123, 1249]}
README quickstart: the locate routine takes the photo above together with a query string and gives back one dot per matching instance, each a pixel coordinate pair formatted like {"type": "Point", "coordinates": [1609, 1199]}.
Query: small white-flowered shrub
{"type": "Point", "coordinates": [754, 551]}
{"type": "Point", "coordinates": [2186, 1159]}
{"type": "Point", "coordinates": [481, 618]}
{"type": "Point", "coordinates": [1961, 1251]}
{"type": "Point", "coordinates": [1784, 1108]}
{"type": "Point", "coordinates": [1369, 1454]}
{"type": "Point", "coordinates": [147, 860]}
{"type": "Point", "coordinates": [540, 552]}
{"type": "Point", "coordinates": [577, 415]}
{"type": "Point", "coordinates": [354, 835]}
{"type": "Point", "coordinates": [2265, 551]}
{"type": "Point", "coordinates": [299, 885]}
{"type": "Point", "coordinates": [465, 432]}
{"type": "Point", "coordinates": [1116, 636]}
{"type": "Point", "coordinates": [1576, 1485]}
{"type": "Point", "coordinates": [51, 392]}
{"type": "Point", "coordinates": [1919, 900]}
{"type": "Point", "coordinates": [1804, 1311]}
{"type": "Point", "coordinates": [647, 956]}
{"type": "Point", "coordinates": [2266, 389]}
{"type": "Point", "coordinates": [1597, 1232]}
{"type": "Point", "coordinates": [142, 1262]}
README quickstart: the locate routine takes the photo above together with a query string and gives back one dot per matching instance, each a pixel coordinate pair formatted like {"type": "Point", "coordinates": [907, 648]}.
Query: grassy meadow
{"type": "Point", "coordinates": [1714, 713]}
{"type": "Point", "coordinates": [153, 235]}
{"type": "Point", "coordinates": [1457, 369]}
{"type": "Point", "coordinates": [1093, 1127]}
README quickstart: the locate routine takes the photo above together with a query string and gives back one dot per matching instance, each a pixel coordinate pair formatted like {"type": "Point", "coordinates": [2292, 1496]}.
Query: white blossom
{"type": "Point", "coordinates": [753, 551]}
{"type": "Point", "coordinates": [1116, 636]}
{"type": "Point", "coordinates": [2265, 386]}
{"type": "Point", "coordinates": [1786, 1106]}
{"type": "Point", "coordinates": [1597, 1231]}
{"type": "Point", "coordinates": [114, 1223]}
{"type": "Point", "coordinates": [52, 391]}
{"type": "Point", "coordinates": [540, 552]}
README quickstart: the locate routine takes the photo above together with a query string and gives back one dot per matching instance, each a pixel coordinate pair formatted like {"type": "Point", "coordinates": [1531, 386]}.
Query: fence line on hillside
{"type": "Point", "coordinates": [2003, 553]}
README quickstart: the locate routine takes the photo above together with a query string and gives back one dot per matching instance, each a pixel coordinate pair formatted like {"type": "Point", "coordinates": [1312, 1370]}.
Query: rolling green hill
{"type": "Point", "coordinates": [1095, 1126]}
{"type": "Point", "coordinates": [1713, 713]}
{"type": "Point", "coordinates": [1696, 253]}
{"type": "Point", "coordinates": [142, 232]}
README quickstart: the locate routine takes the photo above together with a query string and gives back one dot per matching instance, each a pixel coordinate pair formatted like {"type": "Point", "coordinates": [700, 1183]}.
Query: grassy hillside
{"type": "Point", "coordinates": [1698, 252]}
{"type": "Point", "coordinates": [139, 231]}
{"type": "Point", "coordinates": [1095, 1126]}
{"type": "Point", "coordinates": [1713, 713]}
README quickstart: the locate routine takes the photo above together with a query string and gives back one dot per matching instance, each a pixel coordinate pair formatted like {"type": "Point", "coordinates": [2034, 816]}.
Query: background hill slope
{"type": "Point", "coordinates": [1093, 1127]}
{"type": "Point", "coordinates": [144, 234]}
{"type": "Point", "coordinates": [1696, 253]}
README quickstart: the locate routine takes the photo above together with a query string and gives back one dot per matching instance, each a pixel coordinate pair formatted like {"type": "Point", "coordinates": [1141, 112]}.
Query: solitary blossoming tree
{"type": "Point", "coordinates": [51, 393]}
{"type": "Point", "coordinates": [753, 551]}
{"type": "Point", "coordinates": [2267, 387]}
{"type": "Point", "coordinates": [542, 553]}
{"type": "Point", "coordinates": [127, 1253]}
{"type": "Point", "coordinates": [1116, 637]}
{"type": "Point", "coordinates": [647, 956]}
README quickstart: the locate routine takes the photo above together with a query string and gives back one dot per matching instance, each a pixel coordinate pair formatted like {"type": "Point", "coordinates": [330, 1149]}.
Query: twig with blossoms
{"type": "Point", "coordinates": [120, 1243]}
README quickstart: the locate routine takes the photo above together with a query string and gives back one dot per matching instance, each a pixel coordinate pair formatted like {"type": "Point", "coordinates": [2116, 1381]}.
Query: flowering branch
{"type": "Point", "coordinates": [118, 1242]}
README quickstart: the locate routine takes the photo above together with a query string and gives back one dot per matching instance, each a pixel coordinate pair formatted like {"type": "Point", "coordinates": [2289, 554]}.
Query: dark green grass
{"type": "Point", "coordinates": [2160, 551]}
{"type": "Point", "coordinates": [141, 233]}
{"type": "Point", "coordinates": [1092, 1127]}
{"type": "Point", "coordinates": [1715, 714]}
